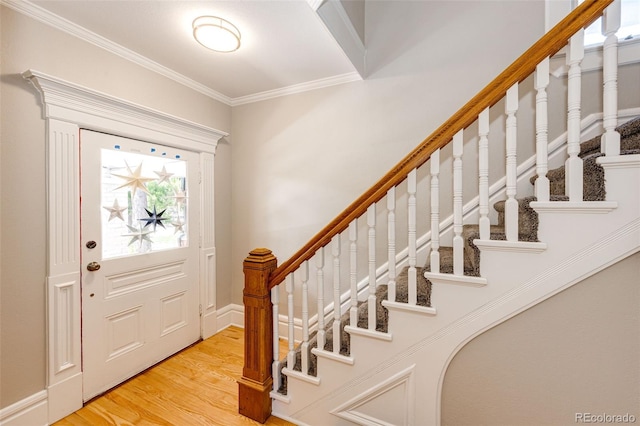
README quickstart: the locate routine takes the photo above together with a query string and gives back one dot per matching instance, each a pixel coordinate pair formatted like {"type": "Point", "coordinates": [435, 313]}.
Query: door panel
{"type": "Point", "coordinates": [140, 228]}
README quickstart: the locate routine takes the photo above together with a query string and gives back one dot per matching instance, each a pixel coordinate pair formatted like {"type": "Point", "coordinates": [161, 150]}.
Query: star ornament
{"type": "Point", "coordinates": [115, 211]}
{"type": "Point", "coordinates": [180, 197]}
{"type": "Point", "coordinates": [137, 234]}
{"type": "Point", "coordinates": [163, 175]}
{"type": "Point", "coordinates": [178, 226]}
{"type": "Point", "coordinates": [134, 179]}
{"type": "Point", "coordinates": [154, 218]}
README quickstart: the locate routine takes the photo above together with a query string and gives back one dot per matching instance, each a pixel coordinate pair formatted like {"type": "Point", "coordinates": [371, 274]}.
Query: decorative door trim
{"type": "Point", "coordinates": [67, 107]}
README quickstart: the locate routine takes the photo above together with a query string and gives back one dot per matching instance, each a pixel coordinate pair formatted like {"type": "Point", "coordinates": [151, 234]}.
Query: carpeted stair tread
{"type": "Point", "coordinates": [527, 219]}
{"type": "Point", "coordinates": [593, 186]}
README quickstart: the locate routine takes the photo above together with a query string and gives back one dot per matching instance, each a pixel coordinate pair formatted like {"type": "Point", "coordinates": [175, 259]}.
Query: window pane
{"type": "Point", "coordinates": [629, 25]}
{"type": "Point", "coordinates": [144, 204]}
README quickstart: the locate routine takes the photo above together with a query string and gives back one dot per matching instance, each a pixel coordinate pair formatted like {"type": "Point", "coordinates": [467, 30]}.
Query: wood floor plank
{"type": "Point", "coordinates": [196, 387]}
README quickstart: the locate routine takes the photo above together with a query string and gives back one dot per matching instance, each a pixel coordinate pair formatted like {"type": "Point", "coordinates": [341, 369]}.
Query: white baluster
{"type": "Point", "coordinates": [335, 252]}
{"type": "Point", "coordinates": [435, 211]}
{"type": "Point", "coordinates": [275, 366]}
{"type": "Point", "coordinates": [391, 243]}
{"type": "Point", "coordinates": [458, 244]}
{"type": "Point", "coordinates": [353, 272]}
{"type": "Point", "coordinates": [291, 355]}
{"type": "Point", "coordinates": [411, 225]}
{"type": "Point", "coordinates": [304, 268]}
{"type": "Point", "coordinates": [371, 299]}
{"type": "Point", "coordinates": [511, 205]}
{"type": "Point", "coordinates": [320, 281]}
{"type": "Point", "coordinates": [610, 142]}
{"type": "Point", "coordinates": [573, 165]}
{"type": "Point", "coordinates": [541, 81]}
{"type": "Point", "coordinates": [483, 174]}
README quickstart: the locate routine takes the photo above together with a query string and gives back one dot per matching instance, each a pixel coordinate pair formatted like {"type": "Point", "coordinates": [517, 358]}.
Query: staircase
{"type": "Point", "coordinates": [377, 348]}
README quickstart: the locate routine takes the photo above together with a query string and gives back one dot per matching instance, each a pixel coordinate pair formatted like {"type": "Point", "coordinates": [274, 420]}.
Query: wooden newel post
{"type": "Point", "coordinates": [256, 382]}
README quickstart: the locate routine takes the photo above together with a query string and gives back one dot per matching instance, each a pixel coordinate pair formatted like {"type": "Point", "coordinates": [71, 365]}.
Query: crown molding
{"type": "Point", "coordinates": [40, 14]}
{"type": "Point", "coordinates": [297, 88]}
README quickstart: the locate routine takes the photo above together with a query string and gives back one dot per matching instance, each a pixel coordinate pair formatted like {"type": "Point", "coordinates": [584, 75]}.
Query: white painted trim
{"type": "Point", "coordinates": [298, 375]}
{"type": "Point", "coordinates": [40, 14]}
{"type": "Point", "coordinates": [230, 315]}
{"type": "Point", "coordinates": [619, 162]}
{"type": "Point", "coordinates": [95, 110]}
{"type": "Point", "coordinates": [397, 306]}
{"type": "Point", "coordinates": [65, 397]}
{"type": "Point", "coordinates": [333, 356]}
{"type": "Point", "coordinates": [67, 107]}
{"type": "Point", "coordinates": [297, 88]}
{"type": "Point", "coordinates": [512, 246]}
{"type": "Point", "coordinates": [386, 337]}
{"type": "Point", "coordinates": [279, 397]}
{"type": "Point", "coordinates": [451, 279]}
{"type": "Point", "coordinates": [31, 410]}
{"type": "Point", "coordinates": [348, 410]}
{"type": "Point", "coordinates": [571, 207]}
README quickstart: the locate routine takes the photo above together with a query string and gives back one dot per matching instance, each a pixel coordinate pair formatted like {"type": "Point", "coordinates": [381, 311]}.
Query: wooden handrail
{"type": "Point", "coordinates": [554, 40]}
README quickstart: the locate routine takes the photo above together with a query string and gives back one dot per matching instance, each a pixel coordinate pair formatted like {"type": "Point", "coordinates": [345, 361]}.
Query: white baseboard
{"type": "Point", "coordinates": [65, 397]}
{"type": "Point", "coordinates": [229, 315]}
{"type": "Point", "coordinates": [32, 411]}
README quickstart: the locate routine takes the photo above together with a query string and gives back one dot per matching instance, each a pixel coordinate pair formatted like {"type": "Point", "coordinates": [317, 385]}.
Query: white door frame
{"type": "Point", "coordinates": [68, 107]}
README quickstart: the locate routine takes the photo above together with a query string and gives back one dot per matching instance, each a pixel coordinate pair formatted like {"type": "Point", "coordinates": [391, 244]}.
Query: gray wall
{"type": "Point", "coordinates": [577, 352]}
{"type": "Point", "coordinates": [26, 44]}
{"type": "Point", "coordinates": [300, 160]}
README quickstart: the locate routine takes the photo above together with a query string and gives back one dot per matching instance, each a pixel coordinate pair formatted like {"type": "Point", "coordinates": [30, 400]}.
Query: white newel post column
{"type": "Point", "coordinates": [458, 243]}
{"type": "Point", "coordinates": [573, 165]}
{"type": "Point", "coordinates": [483, 174]}
{"type": "Point", "coordinates": [435, 211]}
{"type": "Point", "coordinates": [511, 205]}
{"type": "Point", "coordinates": [320, 283]}
{"type": "Point", "coordinates": [275, 366]}
{"type": "Point", "coordinates": [353, 273]}
{"type": "Point", "coordinates": [291, 353]}
{"type": "Point", "coordinates": [335, 251]}
{"type": "Point", "coordinates": [391, 238]}
{"type": "Point", "coordinates": [304, 269]}
{"type": "Point", "coordinates": [371, 300]}
{"type": "Point", "coordinates": [411, 225]}
{"type": "Point", "coordinates": [610, 142]}
{"type": "Point", "coordinates": [541, 81]}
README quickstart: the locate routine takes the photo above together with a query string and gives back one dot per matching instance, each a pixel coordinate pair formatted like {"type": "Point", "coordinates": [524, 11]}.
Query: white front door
{"type": "Point", "coordinates": [140, 230]}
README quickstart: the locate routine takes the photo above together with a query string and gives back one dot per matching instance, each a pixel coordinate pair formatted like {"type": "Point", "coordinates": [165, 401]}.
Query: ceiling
{"type": "Point", "coordinates": [285, 46]}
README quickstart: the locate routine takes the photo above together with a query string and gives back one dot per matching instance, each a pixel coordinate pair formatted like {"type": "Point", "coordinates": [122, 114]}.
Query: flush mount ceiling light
{"type": "Point", "coordinates": [216, 34]}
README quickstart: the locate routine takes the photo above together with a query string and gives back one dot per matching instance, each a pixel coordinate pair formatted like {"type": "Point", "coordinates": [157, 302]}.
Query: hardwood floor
{"type": "Point", "coordinates": [194, 387]}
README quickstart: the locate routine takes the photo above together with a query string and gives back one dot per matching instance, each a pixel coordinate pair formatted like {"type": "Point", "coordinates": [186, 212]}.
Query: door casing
{"type": "Point", "coordinates": [67, 108]}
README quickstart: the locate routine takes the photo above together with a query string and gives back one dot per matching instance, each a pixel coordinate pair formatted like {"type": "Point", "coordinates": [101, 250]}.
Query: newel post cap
{"type": "Point", "coordinates": [260, 255]}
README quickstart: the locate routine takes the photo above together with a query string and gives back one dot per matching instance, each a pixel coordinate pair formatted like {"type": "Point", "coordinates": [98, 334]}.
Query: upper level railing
{"type": "Point", "coordinates": [262, 275]}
